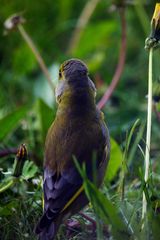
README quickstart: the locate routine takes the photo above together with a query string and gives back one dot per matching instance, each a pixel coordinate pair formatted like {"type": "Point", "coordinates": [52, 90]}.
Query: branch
{"type": "Point", "coordinates": [121, 62]}
{"type": "Point", "coordinates": [81, 24]}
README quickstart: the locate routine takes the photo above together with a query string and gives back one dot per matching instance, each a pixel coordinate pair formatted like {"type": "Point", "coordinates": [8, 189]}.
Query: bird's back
{"type": "Point", "coordinates": [80, 135]}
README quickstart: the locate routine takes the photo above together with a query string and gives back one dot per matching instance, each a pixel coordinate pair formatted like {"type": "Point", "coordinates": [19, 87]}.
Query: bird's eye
{"type": "Point", "coordinates": [60, 74]}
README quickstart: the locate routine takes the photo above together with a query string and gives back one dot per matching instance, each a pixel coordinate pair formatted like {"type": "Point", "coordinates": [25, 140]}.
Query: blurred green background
{"type": "Point", "coordinates": [27, 104]}
{"type": "Point", "coordinates": [51, 24]}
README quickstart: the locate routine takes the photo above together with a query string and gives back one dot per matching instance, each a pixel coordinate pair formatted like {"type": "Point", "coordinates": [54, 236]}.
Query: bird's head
{"type": "Point", "coordinates": [74, 80]}
{"type": "Point", "coordinates": [73, 70]}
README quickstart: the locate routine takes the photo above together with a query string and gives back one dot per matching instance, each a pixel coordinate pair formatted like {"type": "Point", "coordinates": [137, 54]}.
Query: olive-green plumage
{"type": "Point", "coordinates": [78, 130]}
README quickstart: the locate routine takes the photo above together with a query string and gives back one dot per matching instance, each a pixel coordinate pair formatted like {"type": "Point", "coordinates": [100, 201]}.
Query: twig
{"type": "Point", "coordinates": [81, 24]}
{"type": "Point", "coordinates": [121, 62]}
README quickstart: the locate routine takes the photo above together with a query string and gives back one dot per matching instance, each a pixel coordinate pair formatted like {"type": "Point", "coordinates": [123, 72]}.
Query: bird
{"type": "Point", "coordinates": [77, 132]}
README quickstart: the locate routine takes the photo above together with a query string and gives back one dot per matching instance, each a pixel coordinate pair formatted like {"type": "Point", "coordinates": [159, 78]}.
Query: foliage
{"type": "Point", "coordinates": [27, 108]}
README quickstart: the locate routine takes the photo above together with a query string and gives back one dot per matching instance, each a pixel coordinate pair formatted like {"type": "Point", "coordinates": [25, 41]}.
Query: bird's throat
{"type": "Point", "coordinates": [77, 102]}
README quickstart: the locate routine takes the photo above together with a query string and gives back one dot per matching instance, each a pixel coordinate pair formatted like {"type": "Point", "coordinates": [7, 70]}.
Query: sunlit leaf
{"type": "Point", "coordinates": [115, 161]}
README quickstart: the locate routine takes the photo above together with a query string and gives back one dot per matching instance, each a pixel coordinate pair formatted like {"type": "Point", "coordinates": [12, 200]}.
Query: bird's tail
{"type": "Point", "coordinates": [46, 229]}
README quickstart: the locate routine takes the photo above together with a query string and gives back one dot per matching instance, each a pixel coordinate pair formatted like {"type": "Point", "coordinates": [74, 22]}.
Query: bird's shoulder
{"type": "Point", "coordinates": [66, 126]}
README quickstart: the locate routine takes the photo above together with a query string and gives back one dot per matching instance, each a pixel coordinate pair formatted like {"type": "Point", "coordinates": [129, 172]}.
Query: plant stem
{"type": "Point", "coordinates": [37, 55]}
{"type": "Point", "coordinates": [121, 62]}
{"type": "Point", "coordinates": [148, 136]}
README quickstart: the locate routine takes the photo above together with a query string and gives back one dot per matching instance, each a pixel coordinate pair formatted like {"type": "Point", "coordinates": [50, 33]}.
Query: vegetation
{"type": "Point", "coordinates": [110, 37]}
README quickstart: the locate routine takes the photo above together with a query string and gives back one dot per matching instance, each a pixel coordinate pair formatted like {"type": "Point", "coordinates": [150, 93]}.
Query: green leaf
{"type": "Point", "coordinates": [9, 209]}
{"type": "Point", "coordinates": [135, 144]}
{"type": "Point", "coordinates": [154, 220]}
{"type": "Point", "coordinates": [130, 211]}
{"type": "Point", "coordinates": [7, 183]}
{"type": "Point", "coordinates": [10, 121]}
{"type": "Point", "coordinates": [115, 161]}
{"type": "Point", "coordinates": [104, 208]}
{"type": "Point", "coordinates": [46, 116]}
{"type": "Point", "coordinates": [131, 134]}
{"type": "Point", "coordinates": [29, 170]}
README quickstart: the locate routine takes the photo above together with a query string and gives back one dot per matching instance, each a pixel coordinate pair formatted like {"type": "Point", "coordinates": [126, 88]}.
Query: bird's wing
{"type": "Point", "coordinates": [59, 192]}
{"type": "Point", "coordinates": [63, 187]}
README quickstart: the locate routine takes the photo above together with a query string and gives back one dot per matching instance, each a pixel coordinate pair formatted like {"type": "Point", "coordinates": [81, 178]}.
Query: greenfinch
{"type": "Point", "coordinates": [78, 131]}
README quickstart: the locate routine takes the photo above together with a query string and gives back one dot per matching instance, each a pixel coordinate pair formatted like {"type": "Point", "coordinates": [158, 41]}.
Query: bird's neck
{"type": "Point", "coordinates": [77, 101]}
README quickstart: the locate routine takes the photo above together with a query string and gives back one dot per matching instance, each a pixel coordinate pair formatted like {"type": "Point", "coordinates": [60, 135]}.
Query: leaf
{"type": "Point", "coordinates": [135, 144]}
{"type": "Point", "coordinates": [131, 134]}
{"type": "Point", "coordinates": [10, 121]}
{"type": "Point", "coordinates": [130, 211]}
{"type": "Point", "coordinates": [9, 208]}
{"type": "Point", "coordinates": [29, 170]}
{"type": "Point", "coordinates": [104, 208]}
{"type": "Point", "coordinates": [115, 161]}
{"type": "Point", "coordinates": [154, 220]}
{"type": "Point", "coordinates": [46, 116]}
{"type": "Point", "coordinates": [7, 183]}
